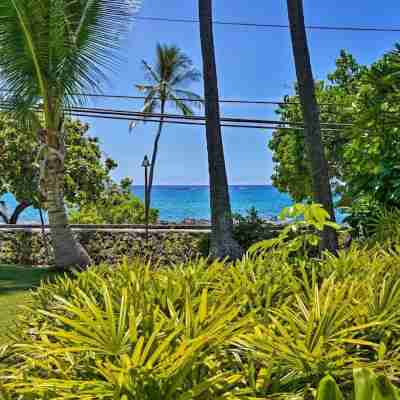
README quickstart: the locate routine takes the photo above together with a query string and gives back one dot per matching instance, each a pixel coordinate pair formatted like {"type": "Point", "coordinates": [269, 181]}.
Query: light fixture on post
{"type": "Point", "coordinates": [146, 164]}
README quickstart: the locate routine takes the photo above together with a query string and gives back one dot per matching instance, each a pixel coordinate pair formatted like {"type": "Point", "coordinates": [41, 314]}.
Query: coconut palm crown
{"type": "Point", "coordinates": [50, 51]}
{"type": "Point", "coordinates": [167, 82]}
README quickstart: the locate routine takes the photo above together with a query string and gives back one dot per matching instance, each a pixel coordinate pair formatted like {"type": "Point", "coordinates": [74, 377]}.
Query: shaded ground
{"type": "Point", "coordinates": [15, 284]}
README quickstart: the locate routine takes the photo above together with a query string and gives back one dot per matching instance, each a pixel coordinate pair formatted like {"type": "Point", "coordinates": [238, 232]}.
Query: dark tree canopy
{"type": "Point", "coordinates": [363, 158]}
{"type": "Point", "coordinates": [86, 173]}
{"type": "Point", "coordinates": [115, 205]}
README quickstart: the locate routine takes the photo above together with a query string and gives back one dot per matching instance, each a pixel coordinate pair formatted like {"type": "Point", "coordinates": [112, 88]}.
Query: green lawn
{"type": "Point", "coordinates": [15, 284]}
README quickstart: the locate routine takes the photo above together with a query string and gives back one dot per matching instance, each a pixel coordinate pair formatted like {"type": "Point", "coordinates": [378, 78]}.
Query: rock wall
{"type": "Point", "coordinates": [29, 247]}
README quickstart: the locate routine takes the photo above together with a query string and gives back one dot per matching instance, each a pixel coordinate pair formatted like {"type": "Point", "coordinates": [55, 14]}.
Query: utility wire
{"type": "Point", "coordinates": [273, 26]}
{"type": "Point", "coordinates": [229, 120]}
{"type": "Point", "coordinates": [195, 118]}
{"type": "Point", "coordinates": [261, 127]}
{"type": "Point", "coordinates": [222, 101]}
{"type": "Point", "coordinates": [178, 120]}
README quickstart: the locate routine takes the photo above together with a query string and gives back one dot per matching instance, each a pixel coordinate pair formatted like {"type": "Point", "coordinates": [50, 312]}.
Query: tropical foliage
{"type": "Point", "coordinates": [367, 386]}
{"type": "Point", "coordinates": [248, 229]}
{"type": "Point", "coordinates": [266, 327]}
{"type": "Point", "coordinates": [302, 234]}
{"type": "Point", "coordinates": [51, 50]}
{"type": "Point", "coordinates": [86, 174]}
{"type": "Point", "coordinates": [362, 155]}
{"type": "Point", "coordinates": [115, 205]}
{"type": "Point", "coordinates": [167, 84]}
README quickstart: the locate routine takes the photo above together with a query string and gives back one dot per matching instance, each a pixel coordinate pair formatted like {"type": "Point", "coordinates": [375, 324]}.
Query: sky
{"type": "Point", "coordinates": [253, 64]}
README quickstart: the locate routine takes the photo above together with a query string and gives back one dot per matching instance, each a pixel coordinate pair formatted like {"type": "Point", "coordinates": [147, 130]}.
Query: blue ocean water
{"type": "Point", "coordinates": [177, 203]}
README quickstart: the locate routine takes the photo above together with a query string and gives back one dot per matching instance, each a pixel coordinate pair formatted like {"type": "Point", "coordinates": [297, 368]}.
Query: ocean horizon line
{"type": "Point", "coordinates": [193, 185]}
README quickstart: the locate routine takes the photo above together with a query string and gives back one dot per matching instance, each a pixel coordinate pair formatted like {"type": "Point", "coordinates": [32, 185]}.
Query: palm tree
{"type": "Point", "coordinates": [222, 242]}
{"type": "Point", "coordinates": [167, 80]}
{"type": "Point", "coordinates": [320, 177]}
{"type": "Point", "coordinates": [51, 50]}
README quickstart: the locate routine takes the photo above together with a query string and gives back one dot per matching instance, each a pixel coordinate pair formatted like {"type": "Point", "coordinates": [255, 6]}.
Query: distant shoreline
{"type": "Point", "coordinates": [204, 186]}
{"type": "Point", "coordinates": [178, 203]}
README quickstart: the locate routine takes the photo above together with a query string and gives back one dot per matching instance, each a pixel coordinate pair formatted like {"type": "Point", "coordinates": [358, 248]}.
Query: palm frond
{"type": "Point", "coordinates": [181, 105]}
{"type": "Point", "coordinates": [195, 99]}
{"type": "Point", "coordinates": [171, 61]}
{"type": "Point", "coordinates": [56, 48]}
{"type": "Point", "coordinates": [151, 75]}
{"type": "Point", "coordinates": [173, 69]}
{"type": "Point", "coordinates": [185, 77]}
{"type": "Point", "coordinates": [26, 112]}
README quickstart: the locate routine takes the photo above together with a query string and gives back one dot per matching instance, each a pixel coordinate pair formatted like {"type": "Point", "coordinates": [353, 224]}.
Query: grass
{"type": "Point", "coordinates": [15, 285]}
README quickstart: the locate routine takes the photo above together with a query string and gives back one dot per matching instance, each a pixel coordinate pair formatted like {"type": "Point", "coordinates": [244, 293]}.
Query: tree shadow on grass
{"type": "Point", "coordinates": [19, 279]}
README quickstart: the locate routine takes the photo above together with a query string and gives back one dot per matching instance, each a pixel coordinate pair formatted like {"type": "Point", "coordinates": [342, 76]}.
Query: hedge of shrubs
{"type": "Point", "coordinates": [267, 327]}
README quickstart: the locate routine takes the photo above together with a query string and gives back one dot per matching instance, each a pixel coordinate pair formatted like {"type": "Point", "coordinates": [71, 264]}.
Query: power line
{"type": "Point", "coordinates": [194, 117]}
{"type": "Point", "coordinates": [273, 26]}
{"type": "Point", "coordinates": [222, 101]}
{"type": "Point", "coordinates": [152, 120]}
{"type": "Point", "coordinates": [228, 120]}
{"type": "Point", "coordinates": [180, 120]}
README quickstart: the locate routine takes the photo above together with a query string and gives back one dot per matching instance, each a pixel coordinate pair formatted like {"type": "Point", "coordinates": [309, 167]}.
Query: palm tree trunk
{"type": "Point", "coordinates": [154, 156]}
{"type": "Point", "coordinates": [222, 243]}
{"type": "Point", "coordinates": [319, 167]}
{"type": "Point", "coordinates": [67, 251]}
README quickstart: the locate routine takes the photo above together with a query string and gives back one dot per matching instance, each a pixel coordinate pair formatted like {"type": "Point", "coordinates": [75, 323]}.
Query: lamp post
{"type": "Point", "coordinates": [146, 164]}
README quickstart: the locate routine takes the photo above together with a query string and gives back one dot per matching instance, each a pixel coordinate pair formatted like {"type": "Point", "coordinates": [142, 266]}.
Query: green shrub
{"type": "Point", "coordinates": [374, 223]}
{"type": "Point", "coordinates": [115, 205]}
{"type": "Point", "coordinates": [367, 386]}
{"type": "Point", "coordinates": [248, 229]}
{"type": "Point", "coordinates": [301, 236]}
{"type": "Point", "coordinates": [251, 228]}
{"type": "Point", "coordinates": [360, 214]}
{"type": "Point", "coordinates": [264, 327]}
{"type": "Point", "coordinates": [384, 226]}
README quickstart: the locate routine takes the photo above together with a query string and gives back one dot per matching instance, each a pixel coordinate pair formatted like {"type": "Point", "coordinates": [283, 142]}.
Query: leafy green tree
{"type": "Point", "coordinates": [86, 174]}
{"type": "Point", "coordinates": [167, 81]}
{"type": "Point", "coordinates": [363, 156]}
{"type": "Point", "coordinates": [115, 205]}
{"type": "Point", "coordinates": [51, 50]}
{"type": "Point", "coordinates": [222, 243]}
{"type": "Point", "coordinates": [320, 182]}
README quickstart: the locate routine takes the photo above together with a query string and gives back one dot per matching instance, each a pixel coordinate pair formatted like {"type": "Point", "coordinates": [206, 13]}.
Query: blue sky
{"type": "Point", "coordinates": [252, 64]}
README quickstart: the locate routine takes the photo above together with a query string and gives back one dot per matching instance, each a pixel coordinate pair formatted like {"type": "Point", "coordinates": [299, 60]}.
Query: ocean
{"type": "Point", "coordinates": [176, 203]}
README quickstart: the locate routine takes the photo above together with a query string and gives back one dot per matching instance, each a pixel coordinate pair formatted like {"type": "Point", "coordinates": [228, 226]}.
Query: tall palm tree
{"type": "Point", "coordinates": [320, 177]}
{"type": "Point", "coordinates": [222, 242]}
{"type": "Point", "coordinates": [50, 50]}
{"type": "Point", "coordinates": [167, 81]}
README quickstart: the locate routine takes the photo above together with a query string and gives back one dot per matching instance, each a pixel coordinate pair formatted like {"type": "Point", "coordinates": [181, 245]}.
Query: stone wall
{"type": "Point", "coordinates": [29, 248]}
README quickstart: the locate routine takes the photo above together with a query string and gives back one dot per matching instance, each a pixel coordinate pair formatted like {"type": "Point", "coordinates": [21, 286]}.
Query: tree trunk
{"type": "Point", "coordinates": [154, 155]}
{"type": "Point", "coordinates": [322, 193]}
{"type": "Point", "coordinates": [67, 251]}
{"type": "Point", "coordinates": [222, 242]}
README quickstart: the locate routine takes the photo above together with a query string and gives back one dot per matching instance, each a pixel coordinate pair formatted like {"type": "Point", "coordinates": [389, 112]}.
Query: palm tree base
{"type": "Point", "coordinates": [68, 253]}
{"type": "Point", "coordinates": [227, 248]}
